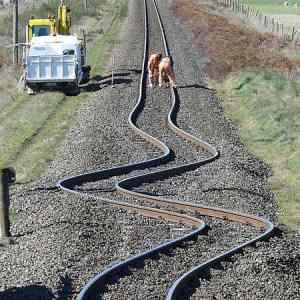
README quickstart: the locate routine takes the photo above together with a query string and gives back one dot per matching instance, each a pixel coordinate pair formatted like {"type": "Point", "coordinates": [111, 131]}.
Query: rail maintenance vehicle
{"type": "Point", "coordinates": [54, 57]}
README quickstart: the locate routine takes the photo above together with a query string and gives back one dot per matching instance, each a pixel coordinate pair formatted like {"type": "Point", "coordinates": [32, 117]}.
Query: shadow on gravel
{"type": "Point", "coordinates": [129, 71]}
{"type": "Point", "coordinates": [100, 78]}
{"type": "Point", "coordinates": [136, 71]}
{"type": "Point", "coordinates": [32, 292]}
{"type": "Point", "coordinates": [278, 231]}
{"type": "Point", "coordinates": [96, 86]}
{"type": "Point", "coordinates": [98, 82]}
{"type": "Point", "coordinates": [158, 194]}
{"type": "Point", "coordinates": [193, 284]}
{"type": "Point", "coordinates": [98, 190]}
{"type": "Point", "coordinates": [65, 288]}
{"type": "Point", "coordinates": [196, 85]}
{"type": "Point", "coordinates": [40, 189]}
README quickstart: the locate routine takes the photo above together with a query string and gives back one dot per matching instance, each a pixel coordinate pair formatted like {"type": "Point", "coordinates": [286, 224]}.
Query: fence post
{"type": "Point", "coordinates": [265, 21]}
{"type": "Point", "coordinates": [7, 177]}
{"type": "Point", "coordinates": [112, 71]}
{"type": "Point", "coordinates": [15, 31]}
{"type": "Point", "coordinates": [293, 33]}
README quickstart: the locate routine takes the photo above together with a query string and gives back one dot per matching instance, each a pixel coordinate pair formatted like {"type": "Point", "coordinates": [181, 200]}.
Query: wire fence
{"type": "Point", "coordinates": [269, 24]}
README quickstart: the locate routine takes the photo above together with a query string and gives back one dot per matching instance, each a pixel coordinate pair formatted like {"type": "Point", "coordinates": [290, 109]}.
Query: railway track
{"type": "Point", "coordinates": [97, 284]}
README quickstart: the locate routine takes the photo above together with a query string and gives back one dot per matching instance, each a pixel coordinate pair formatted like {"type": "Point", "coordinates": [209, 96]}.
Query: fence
{"type": "Point", "coordinates": [269, 24]}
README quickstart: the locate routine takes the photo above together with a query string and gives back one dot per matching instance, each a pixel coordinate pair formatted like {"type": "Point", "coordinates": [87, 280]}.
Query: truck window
{"type": "Point", "coordinates": [40, 30]}
{"type": "Point", "coordinates": [69, 52]}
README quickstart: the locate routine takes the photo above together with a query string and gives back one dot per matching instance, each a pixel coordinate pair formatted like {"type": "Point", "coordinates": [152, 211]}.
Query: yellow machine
{"type": "Point", "coordinates": [63, 20]}
{"type": "Point", "coordinates": [50, 25]}
{"type": "Point", "coordinates": [53, 57]}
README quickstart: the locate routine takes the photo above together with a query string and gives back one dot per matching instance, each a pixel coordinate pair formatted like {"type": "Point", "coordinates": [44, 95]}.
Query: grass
{"type": "Point", "coordinates": [32, 126]}
{"type": "Point", "coordinates": [18, 130]}
{"type": "Point", "coordinates": [267, 107]}
{"type": "Point", "coordinates": [274, 6]}
{"type": "Point", "coordinates": [24, 128]}
{"type": "Point", "coordinates": [36, 153]}
{"type": "Point", "coordinates": [119, 11]}
{"type": "Point", "coordinates": [256, 76]}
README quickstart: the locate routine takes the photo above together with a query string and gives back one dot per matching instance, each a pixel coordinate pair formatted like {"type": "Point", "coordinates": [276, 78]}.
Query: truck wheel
{"type": "Point", "coordinates": [72, 90]}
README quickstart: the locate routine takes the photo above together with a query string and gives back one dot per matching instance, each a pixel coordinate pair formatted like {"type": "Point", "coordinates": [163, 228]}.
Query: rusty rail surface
{"type": "Point", "coordinates": [97, 284]}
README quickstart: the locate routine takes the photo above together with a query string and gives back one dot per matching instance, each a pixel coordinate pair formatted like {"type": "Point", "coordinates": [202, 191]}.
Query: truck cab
{"type": "Point", "coordinates": [40, 27]}
{"type": "Point", "coordinates": [51, 25]}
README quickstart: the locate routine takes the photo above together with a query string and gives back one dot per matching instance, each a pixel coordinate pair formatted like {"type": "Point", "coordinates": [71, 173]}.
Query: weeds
{"type": "Point", "coordinates": [231, 47]}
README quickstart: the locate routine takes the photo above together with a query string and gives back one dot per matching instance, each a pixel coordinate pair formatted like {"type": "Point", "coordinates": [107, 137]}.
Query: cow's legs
{"type": "Point", "coordinates": [171, 77]}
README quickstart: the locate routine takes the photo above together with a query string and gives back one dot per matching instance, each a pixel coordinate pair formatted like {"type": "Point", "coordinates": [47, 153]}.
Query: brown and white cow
{"type": "Point", "coordinates": [153, 68]}
{"type": "Point", "coordinates": [166, 73]}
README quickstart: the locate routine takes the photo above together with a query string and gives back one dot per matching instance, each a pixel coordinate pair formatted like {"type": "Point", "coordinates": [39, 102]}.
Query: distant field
{"type": "Point", "coordinates": [275, 6]}
{"type": "Point", "coordinates": [289, 15]}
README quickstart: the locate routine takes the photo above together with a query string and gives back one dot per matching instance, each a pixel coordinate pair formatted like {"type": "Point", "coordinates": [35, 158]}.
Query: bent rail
{"type": "Point", "coordinates": [97, 283]}
{"type": "Point", "coordinates": [68, 184]}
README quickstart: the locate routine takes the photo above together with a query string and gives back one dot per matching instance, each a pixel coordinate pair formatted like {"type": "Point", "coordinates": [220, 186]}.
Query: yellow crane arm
{"type": "Point", "coordinates": [63, 20]}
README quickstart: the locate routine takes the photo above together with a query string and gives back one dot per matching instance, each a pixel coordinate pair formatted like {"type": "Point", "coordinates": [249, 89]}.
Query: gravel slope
{"type": "Point", "coordinates": [56, 234]}
{"type": "Point", "coordinates": [61, 241]}
{"type": "Point", "coordinates": [238, 180]}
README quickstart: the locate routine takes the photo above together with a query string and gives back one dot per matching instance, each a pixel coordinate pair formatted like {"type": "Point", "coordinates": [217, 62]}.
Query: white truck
{"type": "Point", "coordinates": [58, 61]}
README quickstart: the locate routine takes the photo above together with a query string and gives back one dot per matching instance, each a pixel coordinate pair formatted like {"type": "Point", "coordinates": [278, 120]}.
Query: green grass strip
{"type": "Point", "coordinates": [275, 7]}
{"type": "Point", "coordinates": [267, 108]}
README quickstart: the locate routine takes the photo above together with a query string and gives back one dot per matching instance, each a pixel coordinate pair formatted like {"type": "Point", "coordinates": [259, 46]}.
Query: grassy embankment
{"type": "Point", "coordinates": [32, 126]}
{"type": "Point", "coordinates": [260, 92]}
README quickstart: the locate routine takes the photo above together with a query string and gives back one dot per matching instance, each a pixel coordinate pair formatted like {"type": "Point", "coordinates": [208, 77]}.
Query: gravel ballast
{"type": "Point", "coordinates": [62, 240]}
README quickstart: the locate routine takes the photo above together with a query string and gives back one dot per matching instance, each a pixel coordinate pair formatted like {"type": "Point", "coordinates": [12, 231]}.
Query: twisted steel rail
{"type": "Point", "coordinates": [97, 284]}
